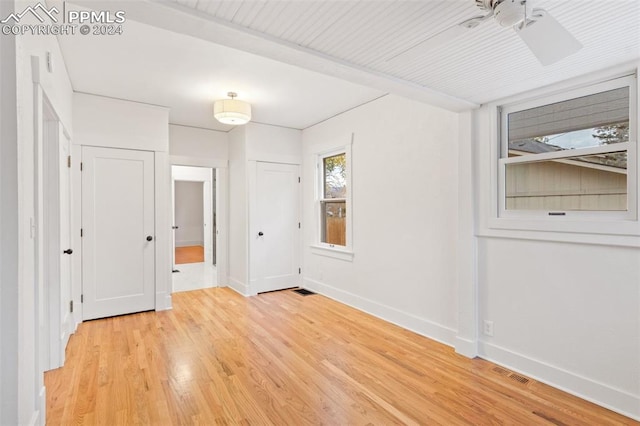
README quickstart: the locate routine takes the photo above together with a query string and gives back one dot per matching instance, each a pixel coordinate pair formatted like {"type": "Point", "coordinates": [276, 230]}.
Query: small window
{"type": "Point", "coordinates": [572, 153]}
{"type": "Point", "coordinates": [333, 200]}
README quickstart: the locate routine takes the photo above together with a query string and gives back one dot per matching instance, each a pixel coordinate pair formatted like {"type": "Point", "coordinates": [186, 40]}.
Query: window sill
{"type": "Point", "coordinates": [620, 233]}
{"type": "Point", "coordinates": [336, 253]}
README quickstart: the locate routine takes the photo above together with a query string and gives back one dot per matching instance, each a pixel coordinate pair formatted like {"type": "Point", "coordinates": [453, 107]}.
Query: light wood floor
{"type": "Point", "coordinates": [285, 359]}
{"type": "Point", "coordinates": [189, 254]}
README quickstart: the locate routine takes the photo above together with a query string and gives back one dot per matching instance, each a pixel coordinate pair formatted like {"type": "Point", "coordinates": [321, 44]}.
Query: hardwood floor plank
{"type": "Point", "coordinates": [280, 358]}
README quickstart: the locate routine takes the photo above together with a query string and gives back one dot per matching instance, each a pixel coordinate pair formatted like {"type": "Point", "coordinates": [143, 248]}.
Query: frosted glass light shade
{"type": "Point", "coordinates": [232, 111]}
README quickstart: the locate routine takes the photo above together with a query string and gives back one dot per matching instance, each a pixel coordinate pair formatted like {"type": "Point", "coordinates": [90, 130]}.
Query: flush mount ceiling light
{"type": "Point", "coordinates": [232, 111]}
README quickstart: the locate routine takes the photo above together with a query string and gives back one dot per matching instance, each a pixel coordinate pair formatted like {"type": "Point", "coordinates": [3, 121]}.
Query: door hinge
{"type": "Point", "coordinates": [298, 225]}
{"type": "Point", "coordinates": [81, 232]}
{"type": "Point", "coordinates": [298, 179]}
{"type": "Point", "coordinates": [82, 298]}
{"type": "Point", "coordinates": [81, 166]}
{"type": "Point", "coordinates": [69, 161]}
{"type": "Point", "coordinates": [71, 306]}
{"type": "Point", "coordinates": [299, 270]}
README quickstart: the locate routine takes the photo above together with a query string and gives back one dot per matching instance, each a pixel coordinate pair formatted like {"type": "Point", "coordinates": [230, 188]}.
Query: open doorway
{"type": "Point", "coordinates": [189, 222]}
{"type": "Point", "coordinates": [194, 228]}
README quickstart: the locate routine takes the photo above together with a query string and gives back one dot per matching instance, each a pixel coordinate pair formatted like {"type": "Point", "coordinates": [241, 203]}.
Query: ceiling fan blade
{"type": "Point", "coordinates": [444, 36]}
{"type": "Point", "coordinates": [547, 39]}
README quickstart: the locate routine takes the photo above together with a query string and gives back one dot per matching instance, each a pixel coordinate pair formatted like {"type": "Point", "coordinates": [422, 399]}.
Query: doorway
{"type": "Point", "coordinates": [194, 251]}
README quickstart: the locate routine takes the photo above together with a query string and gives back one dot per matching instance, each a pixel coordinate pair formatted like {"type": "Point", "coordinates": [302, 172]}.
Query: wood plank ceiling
{"type": "Point", "coordinates": [481, 65]}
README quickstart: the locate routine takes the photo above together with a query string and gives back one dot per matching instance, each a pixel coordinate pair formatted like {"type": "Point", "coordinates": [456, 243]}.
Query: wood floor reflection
{"type": "Point", "coordinates": [285, 359]}
{"type": "Point", "coordinates": [189, 254]}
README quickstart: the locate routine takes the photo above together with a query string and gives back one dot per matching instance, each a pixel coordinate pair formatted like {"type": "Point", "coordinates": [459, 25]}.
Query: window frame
{"type": "Point", "coordinates": [319, 247]}
{"type": "Point", "coordinates": [631, 147]}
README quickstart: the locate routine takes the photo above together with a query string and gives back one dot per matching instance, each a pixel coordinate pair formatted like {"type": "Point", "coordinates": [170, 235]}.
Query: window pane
{"type": "Point", "coordinates": [588, 121]}
{"type": "Point", "coordinates": [592, 182]}
{"type": "Point", "coordinates": [335, 176]}
{"type": "Point", "coordinates": [334, 222]}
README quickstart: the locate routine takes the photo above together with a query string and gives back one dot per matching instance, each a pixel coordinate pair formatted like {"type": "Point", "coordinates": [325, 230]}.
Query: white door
{"type": "Point", "coordinates": [277, 229]}
{"type": "Point", "coordinates": [66, 251]}
{"type": "Point", "coordinates": [118, 232]}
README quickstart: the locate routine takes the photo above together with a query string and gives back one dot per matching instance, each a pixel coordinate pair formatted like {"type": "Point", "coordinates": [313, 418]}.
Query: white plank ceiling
{"type": "Point", "coordinates": [484, 64]}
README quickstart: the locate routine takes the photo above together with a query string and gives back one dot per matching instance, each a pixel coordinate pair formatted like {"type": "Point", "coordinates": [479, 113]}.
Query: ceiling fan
{"type": "Point", "coordinates": [547, 39]}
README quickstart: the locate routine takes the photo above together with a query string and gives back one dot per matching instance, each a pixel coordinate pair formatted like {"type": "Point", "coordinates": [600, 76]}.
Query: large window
{"type": "Point", "coordinates": [571, 154]}
{"type": "Point", "coordinates": [333, 199]}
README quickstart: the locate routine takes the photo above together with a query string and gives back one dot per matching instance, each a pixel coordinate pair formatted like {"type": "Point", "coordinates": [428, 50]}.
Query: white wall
{"type": "Point", "coordinates": [565, 313]}
{"type": "Point", "coordinates": [565, 306]}
{"type": "Point", "coordinates": [23, 398]}
{"type": "Point", "coordinates": [9, 222]}
{"type": "Point", "coordinates": [273, 144]}
{"type": "Point", "coordinates": [238, 211]}
{"type": "Point", "coordinates": [189, 214]}
{"type": "Point", "coordinates": [405, 203]}
{"type": "Point", "coordinates": [115, 123]}
{"type": "Point", "coordinates": [194, 143]}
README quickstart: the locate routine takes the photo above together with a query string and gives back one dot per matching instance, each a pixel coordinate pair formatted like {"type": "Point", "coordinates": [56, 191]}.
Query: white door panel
{"type": "Point", "coordinates": [277, 218]}
{"type": "Point", "coordinates": [117, 219]}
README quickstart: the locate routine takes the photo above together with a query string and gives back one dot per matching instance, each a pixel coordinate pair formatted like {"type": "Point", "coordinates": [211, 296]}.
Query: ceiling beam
{"type": "Point", "coordinates": [177, 18]}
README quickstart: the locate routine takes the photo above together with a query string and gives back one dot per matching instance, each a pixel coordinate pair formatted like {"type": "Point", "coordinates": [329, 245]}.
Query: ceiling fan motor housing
{"type": "Point", "coordinates": [506, 12]}
{"type": "Point", "coordinates": [509, 12]}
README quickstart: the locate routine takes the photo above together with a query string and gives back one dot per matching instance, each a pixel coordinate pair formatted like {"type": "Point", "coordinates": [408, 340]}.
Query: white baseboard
{"type": "Point", "coordinates": [466, 347]}
{"type": "Point", "coordinates": [163, 301]}
{"type": "Point", "coordinates": [238, 286]}
{"type": "Point", "coordinates": [37, 418]}
{"type": "Point", "coordinates": [189, 243]}
{"type": "Point", "coordinates": [70, 326]}
{"type": "Point", "coordinates": [599, 393]}
{"type": "Point", "coordinates": [414, 323]}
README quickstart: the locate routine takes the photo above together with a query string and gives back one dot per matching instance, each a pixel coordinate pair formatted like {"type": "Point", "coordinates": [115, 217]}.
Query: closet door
{"type": "Point", "coordinates": [118, 232]}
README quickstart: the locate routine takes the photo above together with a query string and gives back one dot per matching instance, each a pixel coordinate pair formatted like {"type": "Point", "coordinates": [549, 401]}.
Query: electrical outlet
{"type": "Point", "coordinates": [488, 328]}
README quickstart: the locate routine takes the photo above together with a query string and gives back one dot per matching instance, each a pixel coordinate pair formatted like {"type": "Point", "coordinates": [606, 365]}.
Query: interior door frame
{"type": "Point", "coordinates": [66, 306]}
{"type": "Point", "coordinates": [221, 168]}
{"type": "Point", "coordinates": [197, 175]}
{"type": "Point", "coordinates": [49, 135]}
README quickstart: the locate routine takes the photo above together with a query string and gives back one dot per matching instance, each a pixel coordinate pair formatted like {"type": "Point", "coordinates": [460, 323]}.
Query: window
{"type": "Point", "coordinates": [333, 200]}
{"type": "Point", "coordinates": [572, 154]}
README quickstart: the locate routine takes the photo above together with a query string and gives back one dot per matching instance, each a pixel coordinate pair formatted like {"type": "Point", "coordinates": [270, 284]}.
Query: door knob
{"type": "Point", "coordinates": [260, 234]}
{"type": "Point", "coordinates": [149, 238]}
{"type": "Point", "coordinates": [68, 251]}
{"type": "Point", "coordinates": [174, 227]}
